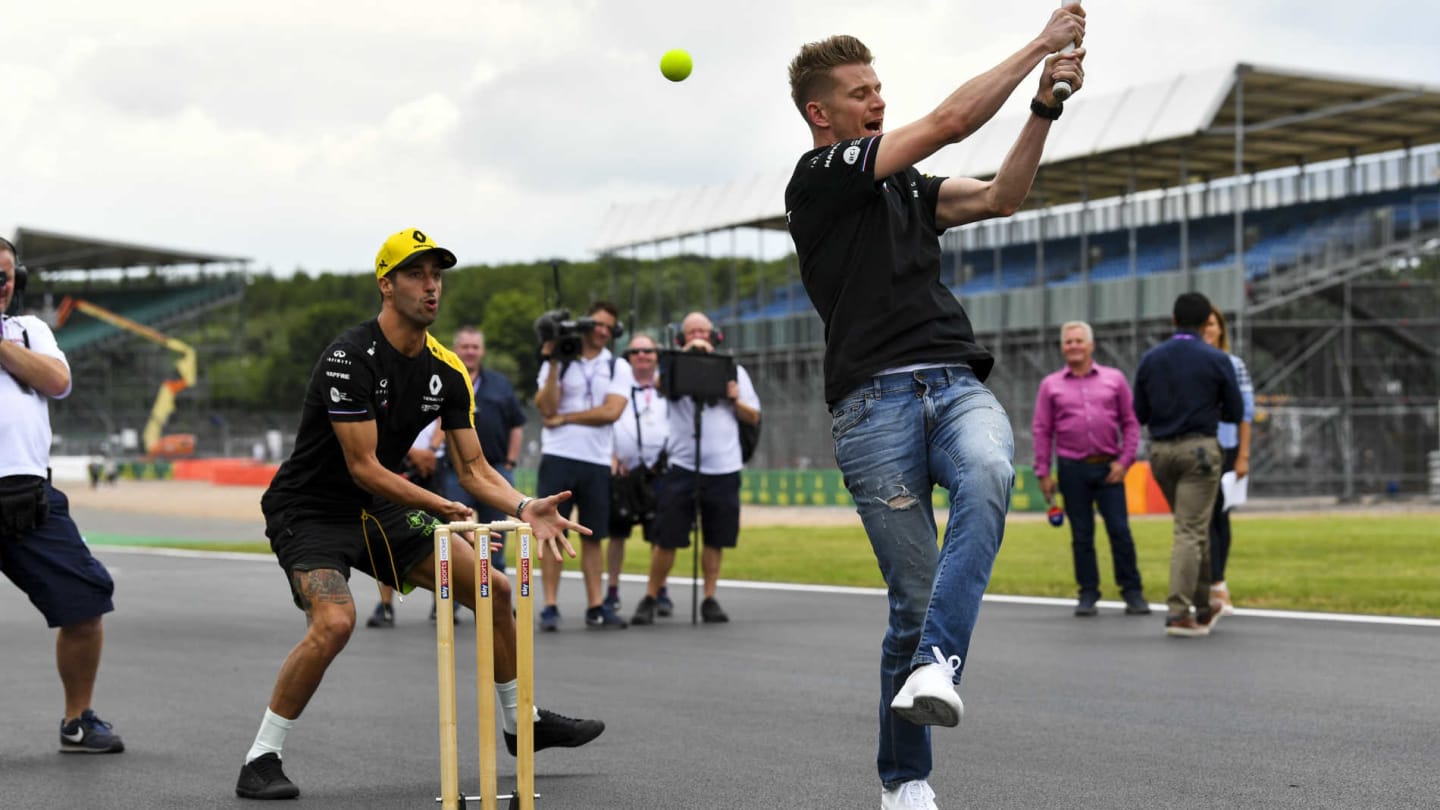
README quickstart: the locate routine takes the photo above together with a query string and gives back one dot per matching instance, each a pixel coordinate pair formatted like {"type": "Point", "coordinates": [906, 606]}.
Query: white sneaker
{"type": "Point", "coordinates": [928, 697]}
{"type": "Point", "coordinates": [913, 795]}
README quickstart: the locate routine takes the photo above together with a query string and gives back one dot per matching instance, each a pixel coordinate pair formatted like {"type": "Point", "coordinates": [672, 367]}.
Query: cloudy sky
{"type": "Point", "coordinates": [301, 133]}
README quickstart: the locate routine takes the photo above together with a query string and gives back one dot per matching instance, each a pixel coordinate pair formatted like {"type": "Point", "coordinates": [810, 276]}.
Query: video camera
{"type": "Point", "coordinates": [565, 336]}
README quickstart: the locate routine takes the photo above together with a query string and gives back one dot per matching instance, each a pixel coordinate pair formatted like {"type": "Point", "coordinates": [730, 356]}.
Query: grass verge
{"type": "Point", "coordinates": [1384, 565]}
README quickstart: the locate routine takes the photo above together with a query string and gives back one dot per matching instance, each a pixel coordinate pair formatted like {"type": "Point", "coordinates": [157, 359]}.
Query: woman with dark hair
{"type": "Point", "coordinates": [1235, 444]}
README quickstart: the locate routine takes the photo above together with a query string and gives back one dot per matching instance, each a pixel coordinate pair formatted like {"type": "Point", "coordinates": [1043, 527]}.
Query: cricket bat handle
{"type": "Point", "coordinates": [1062, 88]}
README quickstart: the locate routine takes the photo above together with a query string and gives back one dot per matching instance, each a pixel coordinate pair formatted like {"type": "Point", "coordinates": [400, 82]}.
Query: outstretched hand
{"type": "Point", "coordinates": [543, 515]}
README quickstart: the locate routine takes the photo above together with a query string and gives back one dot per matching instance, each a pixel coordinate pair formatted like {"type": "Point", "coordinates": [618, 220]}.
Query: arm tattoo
{"type": "Point", "coordinates": [321, 585]}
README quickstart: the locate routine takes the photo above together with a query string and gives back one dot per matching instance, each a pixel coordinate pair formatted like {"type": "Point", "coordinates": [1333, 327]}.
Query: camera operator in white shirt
{"type": "Point", "coordinates": [642, 434]}
{"type": "Point", "coordinates": [579, 398]}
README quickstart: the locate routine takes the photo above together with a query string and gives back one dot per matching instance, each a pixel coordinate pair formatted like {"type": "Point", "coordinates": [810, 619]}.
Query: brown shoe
{"type": "Point", "coordinates": [1185, 627]}
{"type": "Point", "coordinates": [1210, 616]}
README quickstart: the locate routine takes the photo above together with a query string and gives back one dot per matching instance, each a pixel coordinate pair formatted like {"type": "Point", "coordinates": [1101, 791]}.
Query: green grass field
{"type": "Point", "coordinates": [1380, 565]}
{"type": "Point", "coordinates": [1387, 565]}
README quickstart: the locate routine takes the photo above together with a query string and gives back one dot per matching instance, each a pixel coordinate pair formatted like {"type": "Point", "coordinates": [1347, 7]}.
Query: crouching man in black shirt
{"type": "Point", "coordinates": [339, 501]}
{"type": "Point", "coordinates": [903, 373]}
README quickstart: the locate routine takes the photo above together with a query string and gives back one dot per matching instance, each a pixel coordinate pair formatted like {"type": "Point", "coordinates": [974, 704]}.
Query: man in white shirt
{"type": "Point", "coordinates": [641, 435]}
{"type": "Point", "coordinates": [718, 479]}
{"type": "Point", "coordinates": [580, 398]}
{"type": "Point", "coordinates": [41, 549]}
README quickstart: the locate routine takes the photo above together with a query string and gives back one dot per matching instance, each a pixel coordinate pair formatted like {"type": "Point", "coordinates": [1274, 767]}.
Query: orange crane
{"type": "Point", "coordinates": [154, 443]}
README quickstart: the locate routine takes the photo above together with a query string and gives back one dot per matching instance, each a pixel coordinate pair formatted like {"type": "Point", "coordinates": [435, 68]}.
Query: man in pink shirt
{"type": "Point", "coordinates": [1084, 412]}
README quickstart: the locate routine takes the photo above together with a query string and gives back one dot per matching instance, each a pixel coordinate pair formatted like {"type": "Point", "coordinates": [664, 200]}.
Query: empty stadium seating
{"type": "Point", "coordinates": [1277, 239]}
{"type": "Point", "coordinates": [151, 306]}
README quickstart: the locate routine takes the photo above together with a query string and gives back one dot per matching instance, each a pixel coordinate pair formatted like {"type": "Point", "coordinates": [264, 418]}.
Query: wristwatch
{"type": "Point", "coordinates": [510, 462]}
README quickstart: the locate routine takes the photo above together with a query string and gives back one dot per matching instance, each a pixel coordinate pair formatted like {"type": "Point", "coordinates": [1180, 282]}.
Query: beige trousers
{"type": "Point", "coordinates": [1188, 472]}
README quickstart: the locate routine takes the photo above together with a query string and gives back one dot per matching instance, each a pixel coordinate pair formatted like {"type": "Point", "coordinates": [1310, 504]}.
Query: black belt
{"type": "Point", "coordinates": [1098, 458]}
{"type": "Point", "coordinates": [1183, 437]}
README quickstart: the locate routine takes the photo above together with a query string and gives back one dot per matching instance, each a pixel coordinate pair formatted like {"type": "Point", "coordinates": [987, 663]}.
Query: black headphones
{"type": "Point", "coordinates": [715, 338]}
{"type": "Point", "coordinates": [21, 275]}
{"type": "Point", "coordinates": [617, 331]}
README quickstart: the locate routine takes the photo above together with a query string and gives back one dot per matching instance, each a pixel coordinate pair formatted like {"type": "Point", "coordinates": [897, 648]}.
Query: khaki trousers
{"type": "Point", "coordinates": [1188, 472]}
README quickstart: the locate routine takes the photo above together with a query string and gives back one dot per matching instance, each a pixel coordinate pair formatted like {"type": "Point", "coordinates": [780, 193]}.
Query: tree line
{"type": "Point", "coordinates": [258, 352]}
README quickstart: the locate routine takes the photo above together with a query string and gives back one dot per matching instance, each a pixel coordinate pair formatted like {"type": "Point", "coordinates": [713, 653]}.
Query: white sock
{"type": "Point", "coordinates": [271, 737]}
{"type": "Point", "coordinates": [508, 695]}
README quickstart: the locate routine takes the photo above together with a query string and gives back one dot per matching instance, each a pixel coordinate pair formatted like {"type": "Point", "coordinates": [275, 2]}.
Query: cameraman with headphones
{"type": "Point", "coordinates": [580, 396]}
{"type": "Point", "coordinates": [718, 474]}
{"type": "Point", "coordinates": [41, 550]}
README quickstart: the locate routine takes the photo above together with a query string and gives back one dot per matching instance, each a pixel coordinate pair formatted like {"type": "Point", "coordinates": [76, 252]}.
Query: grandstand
{"type": "Point", "coordinates": [155, 287]}
{"type": "Point", "coordinates": [1306, 206]}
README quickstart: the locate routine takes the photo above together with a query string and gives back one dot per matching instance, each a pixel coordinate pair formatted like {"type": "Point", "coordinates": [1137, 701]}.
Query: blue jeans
{"type": "Point", "coordinates": [896, 438]}
{"type": "Point", "coordinates": [447, 484]}
{"type": "Point", "coordinates": [1083, 487]}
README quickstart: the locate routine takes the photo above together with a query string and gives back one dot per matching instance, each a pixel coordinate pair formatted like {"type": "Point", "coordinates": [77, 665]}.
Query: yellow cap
{"type": "Point", "coordinates": [405, 247]}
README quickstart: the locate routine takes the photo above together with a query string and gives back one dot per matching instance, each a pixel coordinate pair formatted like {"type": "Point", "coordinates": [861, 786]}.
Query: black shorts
{"type": "Point", "coordinates": [719, 509]}
{"type": "Point", "coordinates": [54, 567]}
{"type": "Point", "coordinates": [386, 541]}
{"type": "Point", "coordinates": [589, 486]}
{"type": "Point", "coordinates": [647, 530]}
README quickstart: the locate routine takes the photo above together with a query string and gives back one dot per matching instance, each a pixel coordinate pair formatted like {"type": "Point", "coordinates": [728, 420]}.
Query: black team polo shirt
{"type": "Point", "coordinates": [361, 377]}
{"type": "Point", "coordinates": [870, 260]}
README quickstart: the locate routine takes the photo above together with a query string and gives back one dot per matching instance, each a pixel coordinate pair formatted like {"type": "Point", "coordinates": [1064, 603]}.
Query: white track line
{"type": "Point", "coordinates": [1048, 601]}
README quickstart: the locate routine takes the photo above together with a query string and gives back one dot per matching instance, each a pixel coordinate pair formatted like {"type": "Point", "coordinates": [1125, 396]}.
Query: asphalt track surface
{"type": "Point", "coordinates": [775, 709]}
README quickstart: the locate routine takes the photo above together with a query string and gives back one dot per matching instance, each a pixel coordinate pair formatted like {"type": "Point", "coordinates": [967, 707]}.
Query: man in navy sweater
{"type": "Point", "coordinates": [1183, 389]}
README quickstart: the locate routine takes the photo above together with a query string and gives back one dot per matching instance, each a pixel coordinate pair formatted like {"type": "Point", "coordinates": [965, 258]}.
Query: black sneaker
{"type": "Point", "coordinates": [558, 731]}
{"type": "Point", "coordinates": [1086, 605]}
{"type": "Point", "coordinates": [663, 605]}
{"type": "Point", "coordinates": [550, 619]}
{"type": "Point", "coordinates": [612, 599]}
{"type": "Point", "coordinates": [604, 618]}
{"type": "Point", "coordinates": [384, 616]}
{"type": "Point", "coordinates": [88, 734]}
{"type": "Point", "coordinates": [710, 612]}
{"type": "Point", "coordinates": [262, 778]}
{"type": "Point", "coordinates": [645, 611]}
{"type": "Point", "coordinates": [1135, 604]}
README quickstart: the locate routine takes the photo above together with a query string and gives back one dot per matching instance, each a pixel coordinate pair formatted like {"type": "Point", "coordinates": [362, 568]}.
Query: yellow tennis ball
{"type": "Point", "coordinates": [676, 65]}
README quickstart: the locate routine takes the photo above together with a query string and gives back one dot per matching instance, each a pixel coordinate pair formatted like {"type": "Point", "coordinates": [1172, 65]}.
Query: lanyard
{"type": "Point", "coordinates": [635, 406]}
{"type": "Point", "coordinates": [594, 367]}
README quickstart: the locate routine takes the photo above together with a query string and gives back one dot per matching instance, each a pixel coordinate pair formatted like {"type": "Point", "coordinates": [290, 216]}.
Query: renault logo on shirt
{"type": "Point", "coordinates": [435, 384]}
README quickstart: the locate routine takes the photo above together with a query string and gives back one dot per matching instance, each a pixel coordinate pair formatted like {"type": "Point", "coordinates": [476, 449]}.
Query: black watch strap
{"type": "Point", "coordinates": [1048, 113]}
